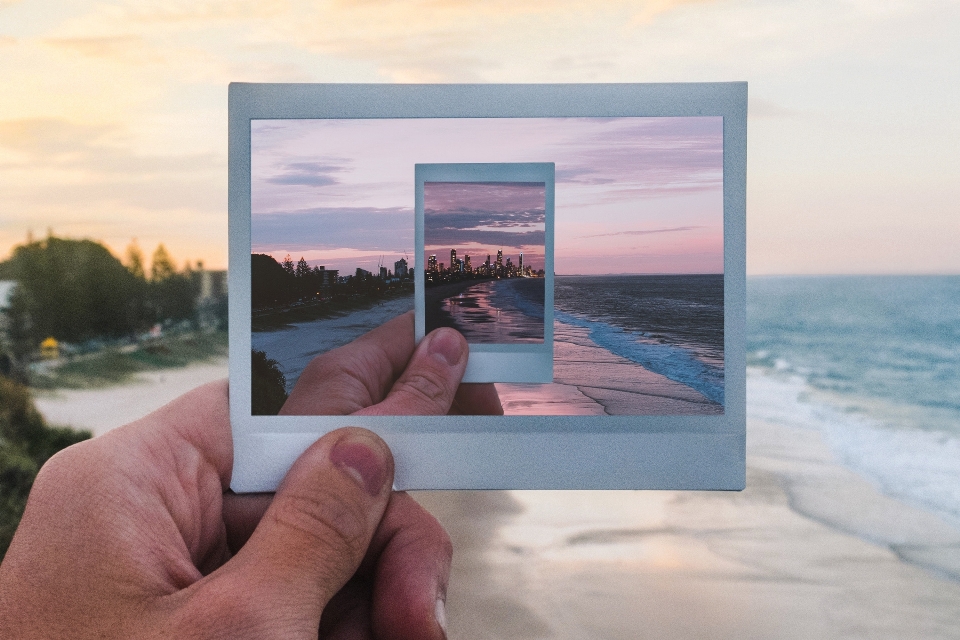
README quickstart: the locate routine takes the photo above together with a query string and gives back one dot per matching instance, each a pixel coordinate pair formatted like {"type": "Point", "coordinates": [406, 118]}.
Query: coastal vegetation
{"type": "Point", "coordinates": [26, 442]}
{"type": "Point", "coordinates": [98, 319]}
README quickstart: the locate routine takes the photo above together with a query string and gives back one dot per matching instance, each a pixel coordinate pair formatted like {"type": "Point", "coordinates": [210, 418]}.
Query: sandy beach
{"type": "Point", "coordinates": [809, 550]}
{"type": "Point", "coordinates": [100, 410]}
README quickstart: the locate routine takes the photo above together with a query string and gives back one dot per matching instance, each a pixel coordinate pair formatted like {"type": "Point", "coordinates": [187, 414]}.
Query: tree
{"type": "Point", "coordinates": [161, 266]}
{"type": "Point", "coordinates": [268, 390]}
{"type": "Point", "coordinates": [271, 284]}
{"type": "Point", "coordinates": [26, 442]}
{"type": "Point", "coordinates": [73, 290]}
{"type": "Point", "coordinates": [172, 295]}
{"type": "Point", "coordinates": [287, 265]}
{"type": "Point", "coordinates": [303, 269]}
{"type": "Point", "coordinates": [135, 261]}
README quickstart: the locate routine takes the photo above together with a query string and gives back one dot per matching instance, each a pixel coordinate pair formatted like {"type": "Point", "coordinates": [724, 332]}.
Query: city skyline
{"type": "Point", "coordinates": [482, 218]}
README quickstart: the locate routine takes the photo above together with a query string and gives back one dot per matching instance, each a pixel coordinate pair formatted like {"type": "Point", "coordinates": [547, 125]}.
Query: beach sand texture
{"type": "Point", "coordinates": [589, 380]}
{"type": "Point", "coordinates": [809, 550]}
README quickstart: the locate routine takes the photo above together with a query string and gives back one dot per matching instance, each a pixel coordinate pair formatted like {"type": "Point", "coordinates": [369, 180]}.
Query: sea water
{"type": "Point", "coordinates": [873, 363]}
{"type": "Point", "coordinates": [671, 325]}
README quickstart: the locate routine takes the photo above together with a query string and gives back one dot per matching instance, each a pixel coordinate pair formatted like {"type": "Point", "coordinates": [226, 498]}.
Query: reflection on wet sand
{"type": "Point", "coordinates": [589, 380]}
{"type": "Point", "coordinates": [494, 311]}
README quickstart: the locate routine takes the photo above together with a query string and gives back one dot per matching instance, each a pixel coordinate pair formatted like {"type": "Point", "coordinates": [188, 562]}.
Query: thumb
{"type": "Point", "coordinates": [429, 383]}
{"type": "Point", "coordinates": [313, 537]}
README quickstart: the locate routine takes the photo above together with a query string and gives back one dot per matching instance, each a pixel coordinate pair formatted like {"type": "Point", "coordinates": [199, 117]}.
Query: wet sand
{"type": "Point", "coordinates": [808, 550]}
{"type": "Point", "coordinates": [579, 367]}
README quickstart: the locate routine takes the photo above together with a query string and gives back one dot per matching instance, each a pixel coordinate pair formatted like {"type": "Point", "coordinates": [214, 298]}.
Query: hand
{"type": "Point", "coordinates": [134, 534]}
{"type": "Point", "coordinates": [382, 373]}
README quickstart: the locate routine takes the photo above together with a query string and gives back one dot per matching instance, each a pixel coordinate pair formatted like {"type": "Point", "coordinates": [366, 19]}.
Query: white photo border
{"type": "Point", "coordinates": [501, 452]}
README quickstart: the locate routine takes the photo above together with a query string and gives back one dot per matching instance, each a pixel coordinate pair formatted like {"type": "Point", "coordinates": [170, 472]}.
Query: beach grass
{"type": "Point", "coordinates": [112, 365]}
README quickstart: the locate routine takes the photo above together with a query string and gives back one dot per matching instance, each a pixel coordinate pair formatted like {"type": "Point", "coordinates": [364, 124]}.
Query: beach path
{"type": "Point", "coordinates": [103, 409]}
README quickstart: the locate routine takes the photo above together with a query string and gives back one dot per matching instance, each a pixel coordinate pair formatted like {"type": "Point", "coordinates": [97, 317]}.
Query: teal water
{"type": "Point", "coordinates": [874, 364]}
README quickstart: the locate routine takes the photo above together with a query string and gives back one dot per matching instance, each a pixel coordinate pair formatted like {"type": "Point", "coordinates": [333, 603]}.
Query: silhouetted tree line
{"type": "Point", "coordinates": [76, 290]}
{"type": "Point", "coordinates": [278, 283]}
{"type": "Point", "coordinates": [268, 385]}
{"type": "Point", "coordinates": [274, 284]}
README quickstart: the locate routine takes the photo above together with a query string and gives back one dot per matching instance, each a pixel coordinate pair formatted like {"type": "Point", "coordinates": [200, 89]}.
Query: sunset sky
{"type": "Point", "coordinates": [479, 219]}
{"type": "Point", "coordinates": [632, 195]}
{"type": "Point", "coordinates": [113, 112]}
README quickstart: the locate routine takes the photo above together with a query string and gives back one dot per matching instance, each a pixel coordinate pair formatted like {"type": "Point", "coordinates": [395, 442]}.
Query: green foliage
{"type": "Point", "coordinates": [268, 385]}
{"type": "Point", "coordinates": [73, 290]}
{"type": "Point", "coordinates": [76, 290]}
{"type": "Point", "coordinates": [115, 366]}
{"type": "Point", "coordinates": [26, 442]}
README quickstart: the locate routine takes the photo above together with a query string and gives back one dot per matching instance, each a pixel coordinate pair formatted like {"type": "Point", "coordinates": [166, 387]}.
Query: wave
{"type": "Point", "coordinates": [671, 361]}
{"type": "Point", "coordinates": [914, 465]}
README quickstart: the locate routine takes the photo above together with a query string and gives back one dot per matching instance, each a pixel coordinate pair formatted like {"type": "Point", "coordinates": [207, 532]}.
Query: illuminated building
{"type": "Point", "coordinates": [453, 259]}
{"type": "Point", "coordinates": [432, 263]}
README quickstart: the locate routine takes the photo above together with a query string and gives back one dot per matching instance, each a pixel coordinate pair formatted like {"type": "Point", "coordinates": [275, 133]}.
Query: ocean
{"type": "Point", "coordinates": [628, 345]}
{"type": "Point", "coordinates": [873, 363]}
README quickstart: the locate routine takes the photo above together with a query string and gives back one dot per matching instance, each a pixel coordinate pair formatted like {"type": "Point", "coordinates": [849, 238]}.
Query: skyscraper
{"type": "Point", "coordinates": [432, 263]}
{"type": "Point", "coordinates": [453, 258]}
{"type": "Point", "coordinates": [520, 266]}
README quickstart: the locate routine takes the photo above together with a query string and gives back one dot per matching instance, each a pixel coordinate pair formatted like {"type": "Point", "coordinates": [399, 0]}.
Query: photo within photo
{"type": "Point", "coordinates": [484, 260]}
{"type": "Point", "coordinates": [638, 252]}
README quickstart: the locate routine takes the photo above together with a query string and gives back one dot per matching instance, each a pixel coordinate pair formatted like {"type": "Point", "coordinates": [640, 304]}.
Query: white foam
{"type": "Point", "coordinates": [920, 467]}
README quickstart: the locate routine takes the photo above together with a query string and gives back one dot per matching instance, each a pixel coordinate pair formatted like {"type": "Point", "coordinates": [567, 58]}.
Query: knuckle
{"type": "Point", "coordinates": [426, 389]}
{"type": "Point", "coordinates": [330, 521]}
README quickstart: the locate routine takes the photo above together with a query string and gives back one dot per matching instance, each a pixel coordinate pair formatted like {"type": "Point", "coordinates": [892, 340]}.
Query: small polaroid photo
{"type": "Point", "coordinates": [588, 241]}
{"type": "Point", "coordinates": [484, 238]}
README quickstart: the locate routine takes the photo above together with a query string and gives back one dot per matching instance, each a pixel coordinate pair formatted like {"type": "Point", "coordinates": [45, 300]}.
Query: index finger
{"type": "Point", "coordinates": [354, 376]}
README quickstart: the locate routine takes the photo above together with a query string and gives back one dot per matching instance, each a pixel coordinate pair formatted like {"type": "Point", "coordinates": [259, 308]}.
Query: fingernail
{"type": "Point", "coordinates": [363, 459]}
{"type": "Point", "coordinates": [446, 346]}
{"type": "Point", "coordinates": [440, 612]}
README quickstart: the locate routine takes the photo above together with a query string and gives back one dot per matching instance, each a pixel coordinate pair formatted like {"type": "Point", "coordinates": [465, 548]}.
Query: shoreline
{"type": "Point", "coordinates": [767, 562]}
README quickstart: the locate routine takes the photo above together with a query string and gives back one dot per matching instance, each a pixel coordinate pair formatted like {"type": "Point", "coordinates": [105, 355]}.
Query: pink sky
{"type": "Point", "coordinates": [633, 195]}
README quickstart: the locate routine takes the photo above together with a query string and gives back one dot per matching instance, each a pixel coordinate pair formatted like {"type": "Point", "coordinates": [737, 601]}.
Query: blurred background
{"type": "Point", "coordinates": [113, 250]}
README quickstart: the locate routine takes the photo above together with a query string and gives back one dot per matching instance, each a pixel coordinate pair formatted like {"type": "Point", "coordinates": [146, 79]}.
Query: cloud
{"type": "Point", "coordinates": [361, 228]}
{"type": "Point", "coordinates": [95, 152]}
{"type": "Point", "coordinates": [644, 232]}
{"type": "Point", "coordinates": [308, 174]}
{"type": "Point", "coordinates": [447, 237]}
{"type": "Point", "coordinates": [653, 154]}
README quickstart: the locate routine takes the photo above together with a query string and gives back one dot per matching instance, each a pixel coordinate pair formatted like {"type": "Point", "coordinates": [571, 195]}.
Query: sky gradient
{"type": "Point", "coordinates": [479, 219]}
{"type": "Point", "coordinates": [632, 195]}
{"type": "Point", "coordinates": [113, 112]}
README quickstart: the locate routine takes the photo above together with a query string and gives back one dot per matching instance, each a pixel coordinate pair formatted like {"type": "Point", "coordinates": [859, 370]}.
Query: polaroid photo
{"type": "Point", "coordinates": [587, 240]}
{"type": "Point", "coordinates": [501, 303]}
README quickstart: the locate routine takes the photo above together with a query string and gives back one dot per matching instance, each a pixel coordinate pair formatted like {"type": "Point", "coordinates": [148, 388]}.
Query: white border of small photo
{"type": "Point", "coordinates": [494, 362]}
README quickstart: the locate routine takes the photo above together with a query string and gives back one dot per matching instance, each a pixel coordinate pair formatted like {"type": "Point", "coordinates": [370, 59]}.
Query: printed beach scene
{"type": "Point", "coordinates": [638, 313]}
{"type": "Point", "coordinates": [497, 300]}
